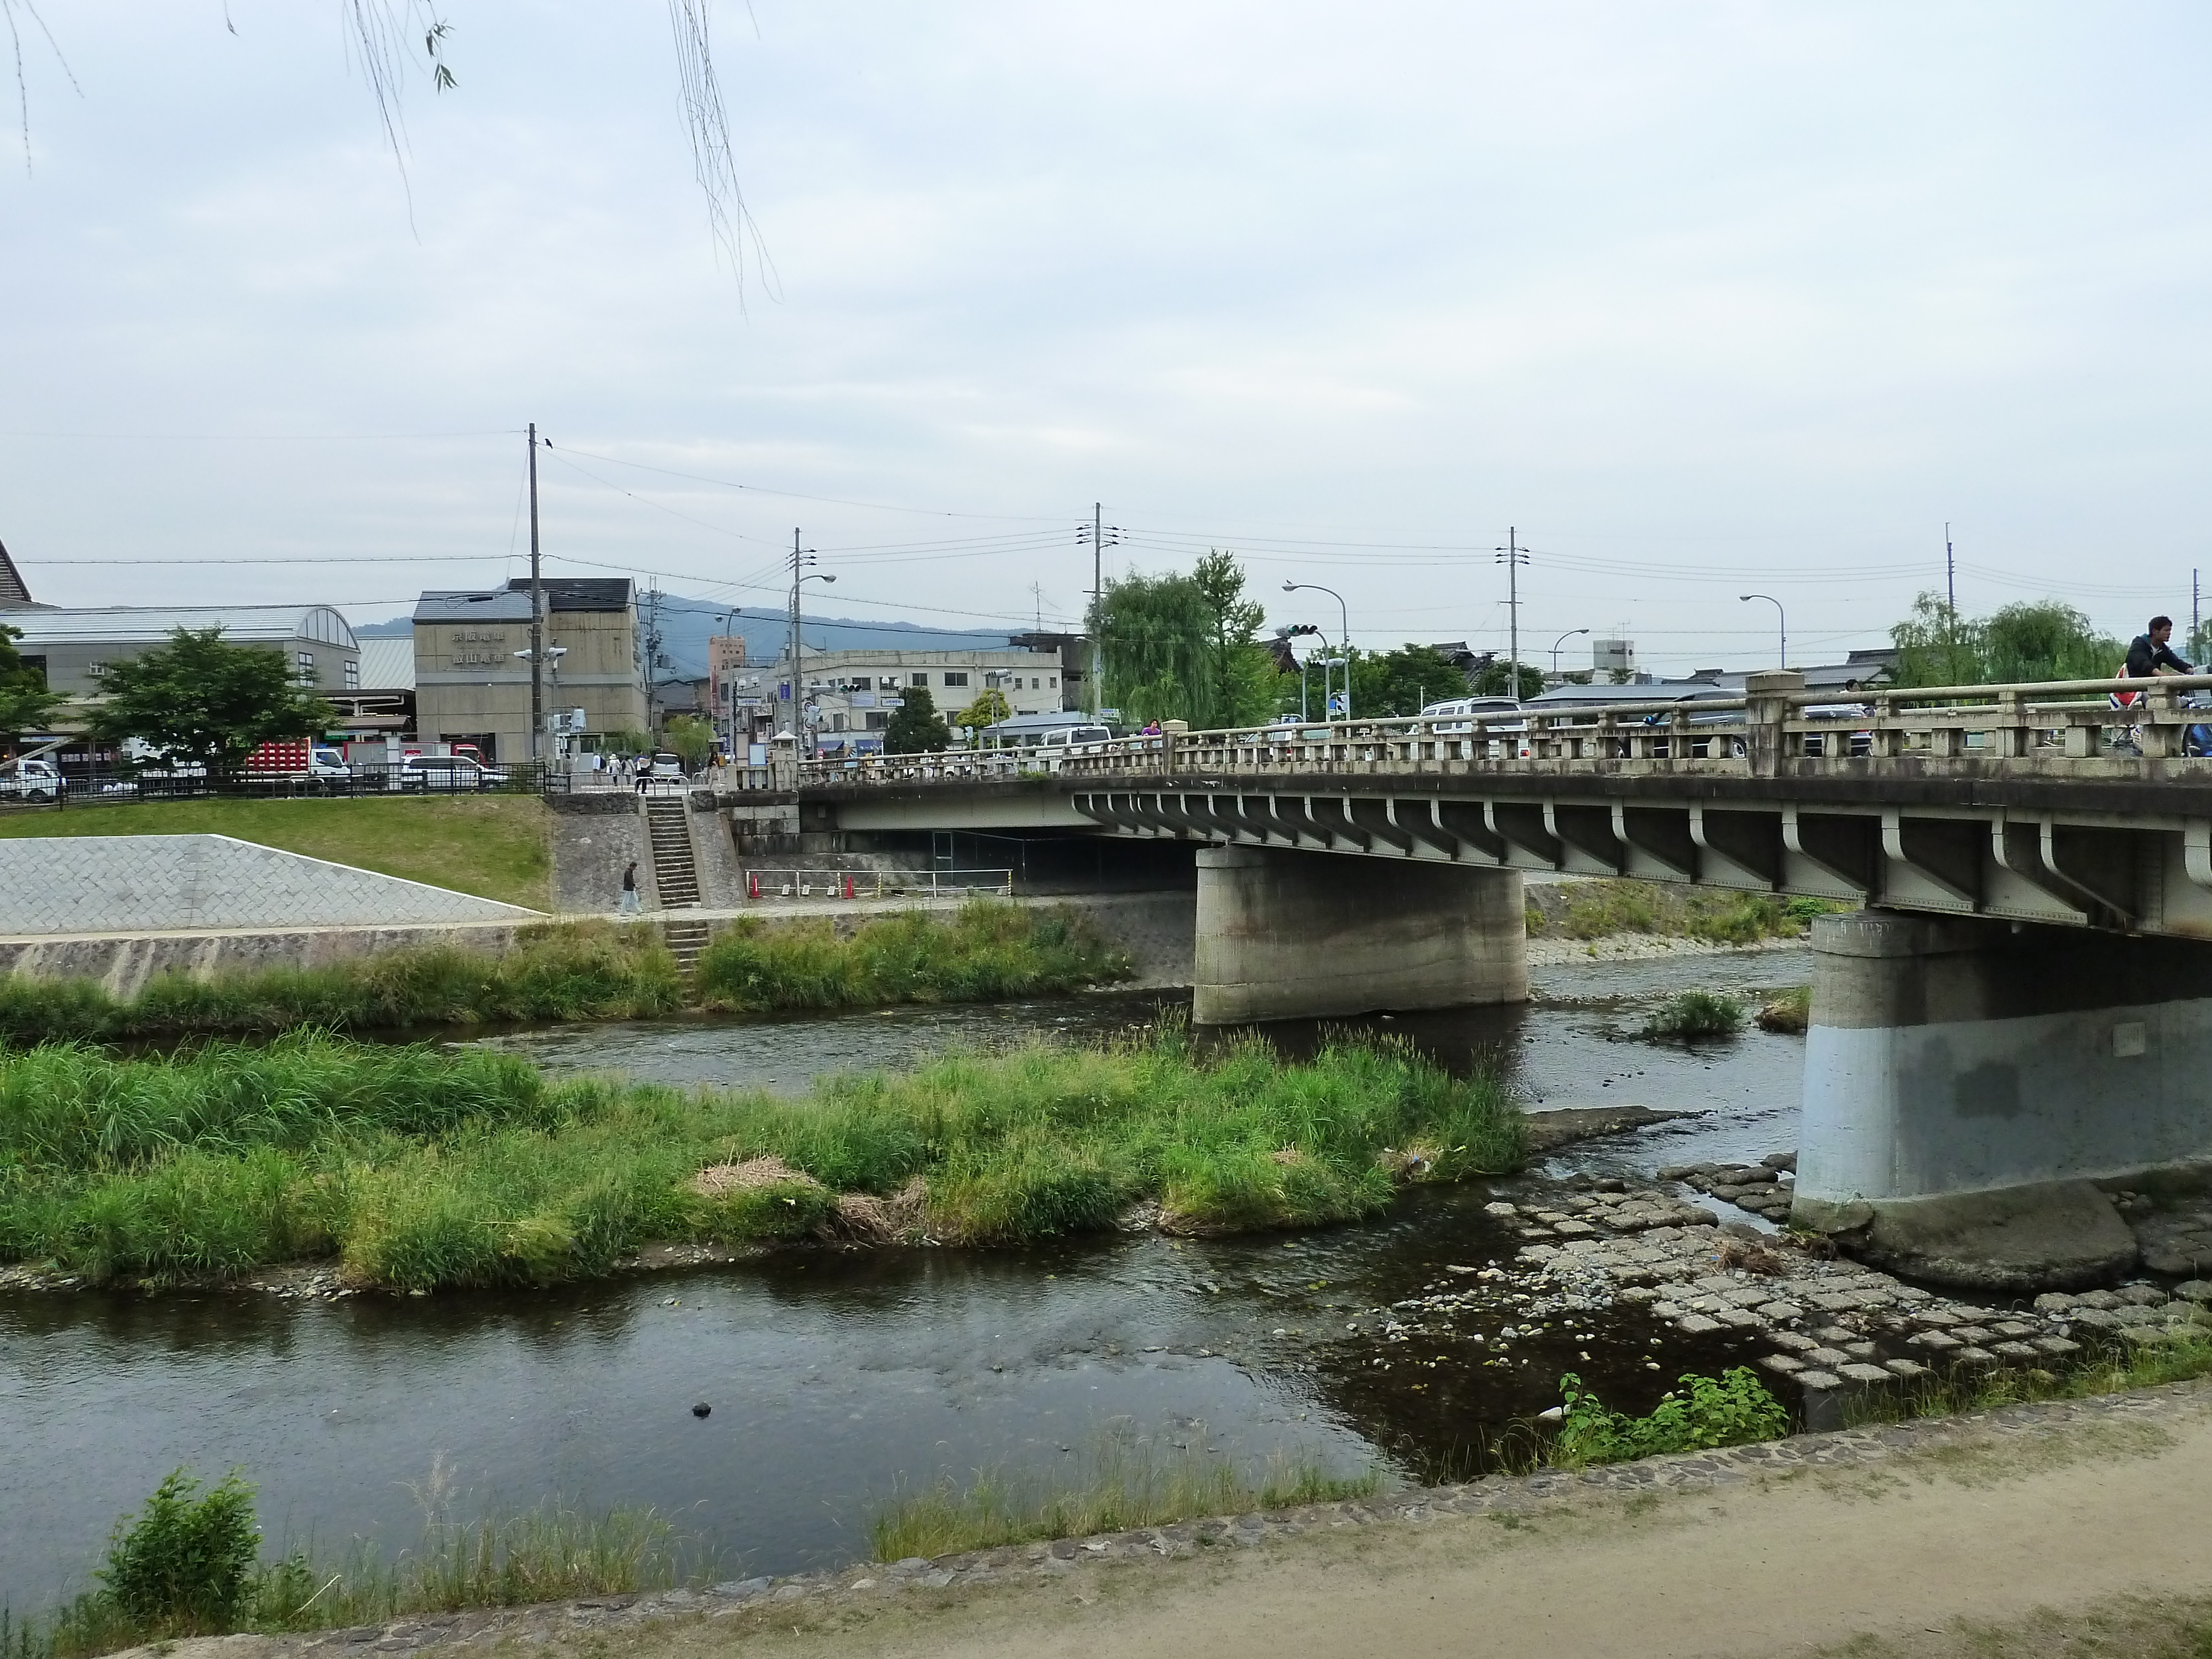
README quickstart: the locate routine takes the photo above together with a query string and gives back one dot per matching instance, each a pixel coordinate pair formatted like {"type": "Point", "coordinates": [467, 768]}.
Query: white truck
{"type": "Point", "coordinates": [32, 779]}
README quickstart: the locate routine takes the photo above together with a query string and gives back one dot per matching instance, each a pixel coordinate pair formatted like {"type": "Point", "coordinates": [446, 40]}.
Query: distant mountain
{"type": "Point", "coordinates": [686, 624]}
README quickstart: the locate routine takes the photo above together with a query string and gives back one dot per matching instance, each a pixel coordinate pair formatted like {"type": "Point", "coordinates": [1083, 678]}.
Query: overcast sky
{"type": "Point", "coordinates": [1697, 298]}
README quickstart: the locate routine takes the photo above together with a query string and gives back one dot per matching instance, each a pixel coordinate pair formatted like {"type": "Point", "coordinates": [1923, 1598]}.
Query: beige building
{"type": "Point", "coordinates": [472, 670]}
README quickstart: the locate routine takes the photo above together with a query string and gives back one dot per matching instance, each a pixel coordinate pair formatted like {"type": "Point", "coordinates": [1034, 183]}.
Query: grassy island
{"type": "Point", "coordinates": [419, 1169]}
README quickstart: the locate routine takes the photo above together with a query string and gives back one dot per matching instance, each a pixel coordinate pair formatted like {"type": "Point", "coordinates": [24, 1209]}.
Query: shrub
{"type": "Point", "coordinates": [1790, 1013]}
{"type": "Point", "coordinates": [1692, 1015]}
{"type": "Point", "coordinates": [187, 1564]}
{"type": "Point", "coordinates": [1733, 1409]}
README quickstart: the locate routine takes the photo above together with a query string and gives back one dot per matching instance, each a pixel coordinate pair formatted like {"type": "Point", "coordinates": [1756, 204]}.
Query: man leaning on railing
{"type": "Point", "coordinates": [2149, 656]}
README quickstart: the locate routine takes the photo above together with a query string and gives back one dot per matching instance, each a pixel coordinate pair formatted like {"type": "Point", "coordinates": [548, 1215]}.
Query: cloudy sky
{"type": "Point", "coordinates": [1696, 298]}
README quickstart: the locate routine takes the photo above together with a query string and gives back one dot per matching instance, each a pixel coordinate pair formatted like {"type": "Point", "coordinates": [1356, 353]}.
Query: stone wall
{"type": "Point", "coordinates": [58, 884]}
{"type": "Point", "coordinates": [593, 837]}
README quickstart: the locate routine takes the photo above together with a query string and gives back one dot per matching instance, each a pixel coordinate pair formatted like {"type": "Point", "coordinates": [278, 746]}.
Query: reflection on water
{"type": "Point", "coordinates": [837, 1379]}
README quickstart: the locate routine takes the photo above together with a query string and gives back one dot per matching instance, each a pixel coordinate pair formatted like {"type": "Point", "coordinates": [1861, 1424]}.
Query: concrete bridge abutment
{"type": "Point", "coordinates": [1285, 934]}
{"type": "Point", "coordinates": [1968, 1082]}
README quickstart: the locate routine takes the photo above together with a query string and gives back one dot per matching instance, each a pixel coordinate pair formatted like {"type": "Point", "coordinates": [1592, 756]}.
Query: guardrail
{"type": "Point", "coordinates": [2058, 720]}
{"type": "Point", "coordinates": [874, 884]}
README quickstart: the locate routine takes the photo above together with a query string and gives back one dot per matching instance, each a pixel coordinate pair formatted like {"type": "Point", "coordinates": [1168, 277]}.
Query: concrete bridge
{"type": "Point", "coordinates": [2021, 1007]}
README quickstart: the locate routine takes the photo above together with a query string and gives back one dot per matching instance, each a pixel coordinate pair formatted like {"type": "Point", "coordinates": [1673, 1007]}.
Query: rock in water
{"type": "Point", "coordinates": [702, 1409]}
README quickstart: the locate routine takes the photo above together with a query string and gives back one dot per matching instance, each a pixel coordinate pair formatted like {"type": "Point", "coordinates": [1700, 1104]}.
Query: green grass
{"type": "Point", "coordinates": [2109, 1369]}
{"type": "Point", "coordinates": [422, 1169]}
{"type": "Point", "coordinates": [1693, 1016]}
{"type": "Point", "coordinates": [986, 952]}
{"type": "Point", "coordinates": [1122, 1483]}
{"type": "Point", "coordinates": [1602, 909]}
{"type": "Point", "coordinates": [594, 970]}
{"type": "Point", "coordinates": [497, 847]}
{"type": "Point", "coordinates": [549, 1553]}
{"type": "Point", "coordinates": [555, 971]}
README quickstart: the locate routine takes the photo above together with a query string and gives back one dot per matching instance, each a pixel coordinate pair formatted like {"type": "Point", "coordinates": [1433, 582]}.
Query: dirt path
{"type": "Point", "coordinates": [1985, 1533]}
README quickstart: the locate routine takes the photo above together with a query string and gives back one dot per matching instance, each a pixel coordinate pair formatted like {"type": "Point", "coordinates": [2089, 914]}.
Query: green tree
{"type": "Point", "coordinates": [1491, 681]}
{"type": "Point", "coordinates": [199, 699]}
{"type": "Point", "coordinates": [1185, 648]}
{"type": "Point", "coordinates": [690, 739]}
{"type": "Point", "coordinates": [25, 702]}
{"type": "Point", "coordinates": [1401, 682]}
{"type": "Point", "coordinates": [916, 727]}
{"type": "Point", "coordinates": [989, 708]}
{"type": "Point", "coordinates": [2043, 639]}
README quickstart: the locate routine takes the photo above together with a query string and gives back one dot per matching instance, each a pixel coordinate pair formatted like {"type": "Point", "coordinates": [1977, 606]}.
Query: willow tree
{"type": "Point", "coordinates": [1185, 646]}
{"type": "Point", "coordinates": [2039, 640]}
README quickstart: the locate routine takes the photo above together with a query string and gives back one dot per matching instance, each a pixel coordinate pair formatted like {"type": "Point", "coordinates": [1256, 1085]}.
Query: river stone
{"type": "Point", "coordinates": [1501, 1208]}
{"type": "Point", "coordinates": [1974, 1334]}
{"type": "Point", "coordinates": [1696, 1324]}
{"type": "Point", "coordinates": [1741, 1318]}
{"type": "Point", "coordinates": [2097, 1319]}
{"type": "Point", "coordinates": [1820, 1379]}
{"type": "Point", "coordinates": [1781, 1312]}
{"type": "Point", "coordinates": [1862, 1373]}
{"type": "Point", "coordinates": [742, 1589]}
{"type": "Point", "coordinates": [2143, 1296]}
{"type": "Point", "coordinates": [1793, 1340]}
{"type": "Point", "coordinates": [1905, 1367]}
{"type": "Point", "coordinates": [2014, 1351]}
{"type": "Point", "coordinates": [2055, 1345]}
{"type": "Point", "coordinates": [1974, 1357]}
{"type": "Point", "coordinates": [2052, 1302]}
{"type": "Point", "coordinates": [1783, 1362]}
{"type": "Point", "coordinates": [1938, 1341]}
{"type": "Point", "coordinates": [1779, 1161]}
{"type": "Point", "coordinates": [1829, 1357]}
{"type": "Point", "coordinates": [2099, 1299]}
{"type": "Point", "coordinates": [2014, 1327]}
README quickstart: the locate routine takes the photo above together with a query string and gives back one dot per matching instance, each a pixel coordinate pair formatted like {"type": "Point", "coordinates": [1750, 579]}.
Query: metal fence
{"type": "Point", "coordinates": [874, 884]}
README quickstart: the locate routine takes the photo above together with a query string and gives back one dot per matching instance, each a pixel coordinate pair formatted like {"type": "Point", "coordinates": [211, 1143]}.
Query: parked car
{"type": "Point", "coordinates": [664, 766]}
{"type": "Point", "coordinates": [447, 775]}
{"type": "Point", "coordinates": [31, 781]}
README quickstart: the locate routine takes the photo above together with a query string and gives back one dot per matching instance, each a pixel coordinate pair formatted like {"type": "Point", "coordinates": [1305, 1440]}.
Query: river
{"type": "Point", "coordinates": [839, 1379]}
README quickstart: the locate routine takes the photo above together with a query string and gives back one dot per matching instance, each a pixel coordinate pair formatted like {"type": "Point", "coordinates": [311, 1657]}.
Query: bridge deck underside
{"type": "Point", "coordinates": [2135, 873]}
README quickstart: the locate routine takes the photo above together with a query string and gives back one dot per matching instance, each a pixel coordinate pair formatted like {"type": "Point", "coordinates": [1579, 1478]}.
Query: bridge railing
{"type": "Point", "coordinates": [1775, 721]}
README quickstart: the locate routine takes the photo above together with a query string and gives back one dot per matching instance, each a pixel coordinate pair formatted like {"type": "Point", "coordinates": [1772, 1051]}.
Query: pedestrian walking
{"type": "Point", "coordinates": [629, 907]}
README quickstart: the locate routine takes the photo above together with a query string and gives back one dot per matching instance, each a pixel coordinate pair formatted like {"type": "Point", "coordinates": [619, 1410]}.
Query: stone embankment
{"type": "Point", "coordinates": [1831, 1325]}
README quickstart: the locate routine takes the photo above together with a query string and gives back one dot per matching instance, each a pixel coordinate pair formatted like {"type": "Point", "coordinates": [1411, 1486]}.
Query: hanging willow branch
{"type": "Point", "coordinates": [713, 164]}
{"type": "Point", "coordinates": [8, 10]}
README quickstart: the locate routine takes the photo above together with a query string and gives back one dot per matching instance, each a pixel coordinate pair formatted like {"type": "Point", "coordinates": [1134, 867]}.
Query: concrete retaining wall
{"type": "Point", "coordinates": [594, 835]}
{"type": "Point", "coordinates": [147, 883]}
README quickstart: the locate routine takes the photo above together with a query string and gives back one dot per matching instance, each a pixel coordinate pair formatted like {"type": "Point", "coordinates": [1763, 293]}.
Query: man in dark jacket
{"type": "Point", "coordinates": [2149, 655]}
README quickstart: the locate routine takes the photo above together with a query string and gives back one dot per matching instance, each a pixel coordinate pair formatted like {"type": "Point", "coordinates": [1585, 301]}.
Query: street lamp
{"type": "Point", "coordinates": [1345, 611]}
{"type": "Point", "coordinates": [1561, 640]}
{"type": "Point", "coordinates": [1780, 622]}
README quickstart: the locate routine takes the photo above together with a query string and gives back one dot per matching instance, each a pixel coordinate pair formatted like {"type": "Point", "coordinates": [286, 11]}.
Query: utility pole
{"type": "Point", "coordinates": [1950, 572]}
{"type": "Point", "coordinates": [794, 726]}
{"type": "Point", "coordinates": [2196, 621]}
{"type": "Point", "coordinates": [537, 616]}
{"type": "Point", "coordinates": [1101, 535]}
{"type": "Point", "coordinates": [1513, 555]}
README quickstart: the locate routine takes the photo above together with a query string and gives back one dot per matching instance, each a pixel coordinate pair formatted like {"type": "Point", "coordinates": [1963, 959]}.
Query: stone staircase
{"type": "Point", "coordinates": [685, 940]}
{"type": "Point", "coordinates": [675, 874]}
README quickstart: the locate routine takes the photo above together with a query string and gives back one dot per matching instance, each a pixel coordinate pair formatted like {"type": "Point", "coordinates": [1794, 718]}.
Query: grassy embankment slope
{"type": "Point", "coordinates": [984, 951]}
{"type": "Point", "coordinates": [419, 1168]}
{"type": "Point", "coordinates": [497, 846]}
{"type": "Point", "coordinates": [1603, 908]}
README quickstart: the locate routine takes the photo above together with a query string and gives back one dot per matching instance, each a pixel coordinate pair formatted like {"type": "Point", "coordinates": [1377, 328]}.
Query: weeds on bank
{"type": "Point", "coordinates": [1733, 1409]}
{"type": "Point", "coordinates": [1602, 909]}
{"type": "Point", "coordinates": [984, 952]}
{"type": "Point", "coordinates": [421, 1168]}
{"type": "Point", "coordinates": [594, 970]}
{"type": "Point", "coordinates": [565, 971]}
{"type": "Point", "coordinates": [1788, 1011]}
{"type": "Point", "coordinates": [2144, 1363]}
{"type": "Point", "coordinates": [1692, 1016]}
{"type": "Point", "coordinates": [189, 1564]}
{"type": "Point", "coordinates": [1123, 1483]}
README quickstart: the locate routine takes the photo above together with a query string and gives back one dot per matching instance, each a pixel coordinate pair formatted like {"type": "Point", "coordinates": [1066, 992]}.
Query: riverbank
{"type": "Point", "coordinates": [1884, 1537]}
{"type": "Point", "coordinates": [578, 971]}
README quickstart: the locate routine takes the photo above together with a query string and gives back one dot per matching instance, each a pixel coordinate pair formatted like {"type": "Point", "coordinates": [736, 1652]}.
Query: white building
{"type": "Point", "coordinates": [848, 696]}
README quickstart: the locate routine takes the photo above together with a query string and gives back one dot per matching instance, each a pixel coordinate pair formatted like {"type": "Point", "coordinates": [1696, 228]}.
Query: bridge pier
{"type": "Point", "coordinates": [1968, 1081]}
{"type": "Point", "coordinates": [1284, 934]}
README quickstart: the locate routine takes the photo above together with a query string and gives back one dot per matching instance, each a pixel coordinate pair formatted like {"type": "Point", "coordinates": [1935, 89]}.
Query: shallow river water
{"type": "Point", "coordinates": [838, 1380]}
